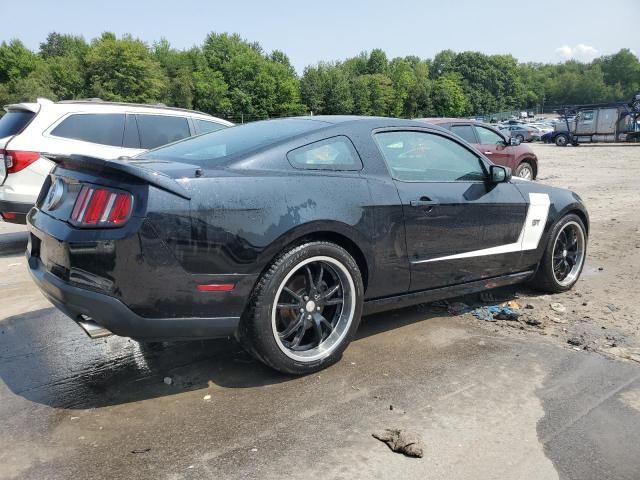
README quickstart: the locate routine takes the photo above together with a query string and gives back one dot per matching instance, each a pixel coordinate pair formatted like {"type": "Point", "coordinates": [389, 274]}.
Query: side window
{"type": "Point", "coordinates": [104, 129]}
{"type": "Point", "coordinates": [427, 157]}
{"type": "Point", "coordinates": [488, 137]}
{"type": "Point", "coordinates": [587, 116]}
{"type": "Point", "coordinates": [158, 130]}
{"type": "Point", "coordinates": [465, 131]}
{"type": "Point", "coordinates": [204, 126]}
{"type": "Point", "coordinates": [131, 137]}
{"type": "Point", "coordinates": [336, 153]}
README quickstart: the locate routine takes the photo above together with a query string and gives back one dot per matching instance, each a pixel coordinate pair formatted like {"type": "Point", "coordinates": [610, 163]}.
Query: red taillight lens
{"type": "Point", "coordinates": [96, 206]}
{"type": "Point", "coordinates": [121, 209]}
{"type": "Point", "coordinates": [17, 160]}
{"type": "Point", "coordinates": [101, 207]}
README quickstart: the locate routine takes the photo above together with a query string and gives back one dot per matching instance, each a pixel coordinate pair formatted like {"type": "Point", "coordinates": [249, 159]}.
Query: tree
{"type": "Point", "coordinates": [378, 62]}
{"type": "Point", "coordinates": [447, 97]}
{"type": "Point", "coordinates": [124, 70]}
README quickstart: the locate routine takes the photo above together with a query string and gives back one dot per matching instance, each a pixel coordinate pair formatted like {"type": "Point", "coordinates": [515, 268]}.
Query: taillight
{"type": "Point", "coordinates": [17, 160]}
{"type": "Point", "coordinates": [98, 206]}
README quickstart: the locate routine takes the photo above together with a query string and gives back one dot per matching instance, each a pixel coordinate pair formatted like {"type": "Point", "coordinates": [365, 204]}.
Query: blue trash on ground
{"type": "Point", "coordinates": [495, 312]}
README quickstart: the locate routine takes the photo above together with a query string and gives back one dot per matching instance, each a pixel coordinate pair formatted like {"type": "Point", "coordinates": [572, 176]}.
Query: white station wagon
{"type": "Point", "coordinates": [87, 127]}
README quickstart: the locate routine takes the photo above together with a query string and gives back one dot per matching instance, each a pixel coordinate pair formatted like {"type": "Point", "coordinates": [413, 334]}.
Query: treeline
{"type": "Point", "coordinates": [233, 78]}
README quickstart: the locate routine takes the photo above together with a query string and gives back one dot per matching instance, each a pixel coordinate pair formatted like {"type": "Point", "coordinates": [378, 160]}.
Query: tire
{"type": "Point", "coordinates": [293, 323]}
{"type": "Point", "coordinates": [547, 278]}
{"type": "Point", "coordinates": [520, 138]}
{"type": "Point", "coordinates": [526, 171]}
{"type": "Point", "coordinates": [562, 140]}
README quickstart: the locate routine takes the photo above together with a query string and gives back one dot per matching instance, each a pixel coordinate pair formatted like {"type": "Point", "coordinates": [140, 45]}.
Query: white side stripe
{"type": "Point", "coordinates": [530, 234]}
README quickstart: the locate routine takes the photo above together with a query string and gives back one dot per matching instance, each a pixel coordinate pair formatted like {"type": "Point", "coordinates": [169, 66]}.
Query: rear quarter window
{"type": "Point", "coordinates": [14, 121]}
{"type": "Point", "coordinates": [336, 153]}
{"type": "Point", "coordinates": [104, 129]}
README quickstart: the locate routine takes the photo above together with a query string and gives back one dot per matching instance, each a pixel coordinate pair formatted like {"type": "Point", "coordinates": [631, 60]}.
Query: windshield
{"type": "Point", "coordinates": [14, 121]}
{"type": "Point", "coordinates": [214, 148]}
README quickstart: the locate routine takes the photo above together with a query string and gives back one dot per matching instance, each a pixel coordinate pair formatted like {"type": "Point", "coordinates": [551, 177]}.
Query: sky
{"type": "Point", "coordinates": [324, 30]}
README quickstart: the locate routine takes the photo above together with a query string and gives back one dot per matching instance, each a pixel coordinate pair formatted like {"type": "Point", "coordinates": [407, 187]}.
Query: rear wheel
{"type": "Point", "coordinates": [525, 170]}
{"type": "Point", "coordinates": [520, 138]}
{"type": "Point", "coordinates": [562, 140]}
{"type": "Point", "coordinates": [305, 309]}
{"type": "Point", "coordinates": [564, 256]}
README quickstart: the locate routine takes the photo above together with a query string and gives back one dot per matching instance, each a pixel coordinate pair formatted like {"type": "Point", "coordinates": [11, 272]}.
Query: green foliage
{"type": "Point", "coordinates": [123, 70]}
{"type": "Point", "coordinates": [447, 96]}
{"type": "Point", "coordinates": [234, 78]}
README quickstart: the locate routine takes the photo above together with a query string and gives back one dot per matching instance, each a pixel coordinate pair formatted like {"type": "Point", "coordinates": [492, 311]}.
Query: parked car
{"type": "Point", "coordinates": [493, 143]}
{"type": "Point", "coordinates": [521, 132]}
{"type": "Point", "coordinates": [105, 129]}
{"type": "Point", "coordinates": [284, 232]}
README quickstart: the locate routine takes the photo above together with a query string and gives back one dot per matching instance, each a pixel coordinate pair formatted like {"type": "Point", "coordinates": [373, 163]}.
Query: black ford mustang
{"type": "Point", "coordinates": [284, 232]}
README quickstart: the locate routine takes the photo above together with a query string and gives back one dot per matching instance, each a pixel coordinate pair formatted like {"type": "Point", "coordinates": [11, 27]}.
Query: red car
{"type": "Point", "coordinates": [492, 143]}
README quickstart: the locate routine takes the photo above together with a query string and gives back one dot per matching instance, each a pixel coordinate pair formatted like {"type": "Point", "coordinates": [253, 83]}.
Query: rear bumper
{"type": "Point", "coordinates": [112, 314]}
{"type": "Point", "coordinates": [14, 212]}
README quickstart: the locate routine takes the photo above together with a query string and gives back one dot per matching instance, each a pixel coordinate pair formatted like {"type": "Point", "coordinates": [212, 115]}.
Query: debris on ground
{"type": "Point", "coordinates": [168, 380]}
{"type": "Point", "coordinates": [533, 322]}
{"type": "Point", "coordinates": [557, 319]}
{"type": "Point", "coordinates": [141, 450]}
{"type": "Point", "coordinates": [458, 308]}
{"type": "Point", "coordinates": [495, 312]}
{"type": "Point", "coordinates": [401, 441]}
{"type": "Point", "coordinates": [529, 306]}
{"type": "Point", "coordinates": [576, 341]}
{"type": "Point", "coordinates": [558, 307]}
{"type": "Point", "coordinates": [512, 304]}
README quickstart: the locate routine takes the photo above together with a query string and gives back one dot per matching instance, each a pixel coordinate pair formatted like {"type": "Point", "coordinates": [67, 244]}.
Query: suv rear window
{"type": "Point", "coordinates": [104, 129]}
{"type": "Point", "coordinates": [158, 130]}
{"type": "Point", "coordinates": [14, 121]}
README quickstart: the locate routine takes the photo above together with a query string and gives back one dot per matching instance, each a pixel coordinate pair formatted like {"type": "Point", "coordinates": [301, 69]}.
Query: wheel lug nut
{"type": "Point", "coordinates": [306, 298]}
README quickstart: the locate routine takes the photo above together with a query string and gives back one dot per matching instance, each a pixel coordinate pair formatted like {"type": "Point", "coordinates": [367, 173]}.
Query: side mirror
{"type": "Point", "coordinates": [499, 174]}
{"type": "Point", "coordinates": [514, 141]}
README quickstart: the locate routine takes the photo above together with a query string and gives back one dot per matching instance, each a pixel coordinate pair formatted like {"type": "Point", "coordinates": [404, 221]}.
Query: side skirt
{"type": "Point", "coordinates": [399, 301]}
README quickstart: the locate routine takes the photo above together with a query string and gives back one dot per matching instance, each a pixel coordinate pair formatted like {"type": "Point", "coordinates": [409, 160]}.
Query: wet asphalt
{"type": "Point", "coordinates": [485, 404]}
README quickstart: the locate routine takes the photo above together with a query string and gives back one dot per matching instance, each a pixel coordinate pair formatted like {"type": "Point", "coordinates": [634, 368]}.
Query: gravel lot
{"type": "Point", "coordinates": [489, 399]}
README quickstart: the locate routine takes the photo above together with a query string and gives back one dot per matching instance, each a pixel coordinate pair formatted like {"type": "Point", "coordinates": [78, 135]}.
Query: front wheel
{"type": "Point", "coordinates": [564, 256]}
{"type": "Point", "coordinates": [305, 309]}
{"type": "Point", "coordinates": [520, 138]}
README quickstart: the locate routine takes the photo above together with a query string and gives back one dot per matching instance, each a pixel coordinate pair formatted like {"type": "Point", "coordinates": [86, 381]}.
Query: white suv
{"type": "Point", "coordinates": [88, 127]}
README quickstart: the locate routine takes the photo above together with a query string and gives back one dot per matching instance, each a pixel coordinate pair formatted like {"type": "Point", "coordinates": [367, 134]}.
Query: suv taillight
{"type": "Point", "coordinates": [99, 206]}
{"type": "Point", "coordinates": [17, 160]}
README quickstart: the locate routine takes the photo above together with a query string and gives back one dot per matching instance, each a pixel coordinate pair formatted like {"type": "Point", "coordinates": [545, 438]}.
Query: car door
{"type": "Point", "coordinates": [495, 147]}
{"type": "Point", "coordinates": [459, 227]}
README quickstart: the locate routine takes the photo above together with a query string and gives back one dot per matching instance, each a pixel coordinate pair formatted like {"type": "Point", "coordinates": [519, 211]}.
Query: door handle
{"type": "Point", "coordinates": [424, 202]}
{"type": "Point", "coordinates": [488, 153]}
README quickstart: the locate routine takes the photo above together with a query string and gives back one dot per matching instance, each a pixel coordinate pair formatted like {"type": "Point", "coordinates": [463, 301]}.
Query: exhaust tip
{"type": "Point", "coordinates": [92, 329]}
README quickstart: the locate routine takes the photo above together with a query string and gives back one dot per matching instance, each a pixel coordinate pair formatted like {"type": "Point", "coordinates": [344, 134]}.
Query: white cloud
{"type": "Point", "coordinates": [581, 53]}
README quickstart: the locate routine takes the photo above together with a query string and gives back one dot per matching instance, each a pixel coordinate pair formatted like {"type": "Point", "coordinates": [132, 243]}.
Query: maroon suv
{"type": "Point", "coordinates": [493, 144]}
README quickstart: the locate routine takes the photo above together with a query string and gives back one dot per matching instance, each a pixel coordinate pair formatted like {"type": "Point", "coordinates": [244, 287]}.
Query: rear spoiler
{"type": "Point", "coordinates": [101, 166]}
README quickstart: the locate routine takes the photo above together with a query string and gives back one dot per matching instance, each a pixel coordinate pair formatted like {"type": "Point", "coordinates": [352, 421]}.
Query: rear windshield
{"type": "Point", "coordinates": [216, 147]}
{"type": "Point", "coordinates": [14, 121]}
